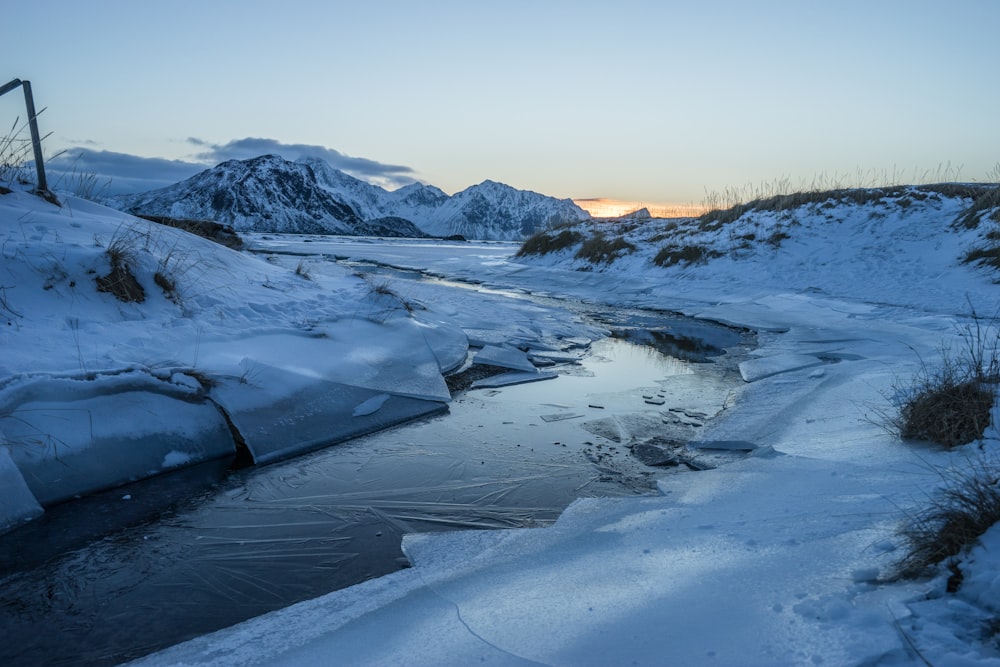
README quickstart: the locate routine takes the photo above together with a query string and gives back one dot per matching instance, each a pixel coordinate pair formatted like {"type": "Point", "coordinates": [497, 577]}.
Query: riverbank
{"type": "Point", "coordinates": [782, 558]}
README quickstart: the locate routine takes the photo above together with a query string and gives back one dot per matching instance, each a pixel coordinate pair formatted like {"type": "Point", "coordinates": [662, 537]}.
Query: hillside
{"type": "Point", "coordinates": [913, 242]}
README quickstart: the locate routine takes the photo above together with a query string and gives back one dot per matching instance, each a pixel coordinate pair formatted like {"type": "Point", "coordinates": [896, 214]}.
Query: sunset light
{"type": "Point", "coordinates": [600, 207]}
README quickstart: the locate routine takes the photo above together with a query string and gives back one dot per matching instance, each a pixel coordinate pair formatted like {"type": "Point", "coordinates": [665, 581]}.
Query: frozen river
{"type": "Point", "coordinates": [117, 575]}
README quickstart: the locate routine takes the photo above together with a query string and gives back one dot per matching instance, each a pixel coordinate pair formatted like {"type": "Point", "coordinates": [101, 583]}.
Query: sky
{"type": "Point", "coordinates": [649, 102]}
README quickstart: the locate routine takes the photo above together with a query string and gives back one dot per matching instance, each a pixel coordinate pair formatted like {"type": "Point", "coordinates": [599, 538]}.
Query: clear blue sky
{"type": "Point", "coordinates": [646, 101]}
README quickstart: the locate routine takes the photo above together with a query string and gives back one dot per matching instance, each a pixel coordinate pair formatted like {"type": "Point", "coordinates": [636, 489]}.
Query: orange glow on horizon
{"type": "Point", "coordinates": [600, 207]}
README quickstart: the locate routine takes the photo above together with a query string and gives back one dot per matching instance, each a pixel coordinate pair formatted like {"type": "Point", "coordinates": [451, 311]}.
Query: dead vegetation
{"type": "Point", "coordinates": [121, 281]}
{"type": "Point", "coordinates": [213, 231]}
{"type": "Point", "coordinates": [598, 249]}
{"type": "Point", "coordinates": [543, 243]}
{"type": "Point", "coordinates": [687, 255]}
{"type": "Point", "coordinates": [951, 404]}
{"type": "Point", "coordinates": [965, 507]}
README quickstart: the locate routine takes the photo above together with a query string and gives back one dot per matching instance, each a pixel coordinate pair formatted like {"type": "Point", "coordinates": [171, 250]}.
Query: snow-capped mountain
{"type": "Point", "coordinates": [493, 210]}
{"type": "Point", "coordinates": [270, 194]}
{"type": "Point", "coordinates": [262, 194]}
{"type": "Point", "coordinates": [489, 210]}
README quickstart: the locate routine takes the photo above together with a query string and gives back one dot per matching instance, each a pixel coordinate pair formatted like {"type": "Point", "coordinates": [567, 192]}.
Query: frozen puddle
{"type": "Point", "coordinates": [125, 572]}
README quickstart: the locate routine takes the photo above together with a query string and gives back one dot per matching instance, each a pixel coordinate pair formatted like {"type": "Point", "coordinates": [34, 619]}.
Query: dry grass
{"type": "Point", "coordinates": [982, 202]}
{"type": "Point", "coordinates": [964, 508]}
{"type": "Point", "coordinates": [543, 243]}
{"type": "Point", "coordinates": [121, 281]}
{"type": "Point", "coordinates": [951, 404]}
{"type": "Point", "coordinates": [949, 410]}
{"type": "Point", "coordinates": [689, 254]}
{"type": "Point", "coordinates": [599, 250]}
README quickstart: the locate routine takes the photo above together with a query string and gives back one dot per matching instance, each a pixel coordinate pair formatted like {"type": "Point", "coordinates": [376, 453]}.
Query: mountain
{"type": "Point", "coordinates": [270, 194]}
{"type": "Point", "coordinates": [262, 194]}
{"type": "Point", "coordinates": [489, 210]}
{"type": "Point", "coordinates": [493, 210]}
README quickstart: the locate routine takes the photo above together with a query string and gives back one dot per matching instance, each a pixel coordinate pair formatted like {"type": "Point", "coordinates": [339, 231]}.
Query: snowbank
{"type": "Point", "coordinates": [781, 558]}
{"type": "Point", "coordinates": [96, 391]}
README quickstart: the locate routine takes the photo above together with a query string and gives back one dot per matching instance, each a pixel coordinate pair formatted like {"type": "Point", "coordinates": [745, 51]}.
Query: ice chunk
{"type": "Point", "coordinates": [67, 447]}
{"type": "Point", "coordinates": [725, 445]}
{"type": "Point", "coordinates": [560, 416]}
{"type": "Point", "coordinates": [758, 369]}
{"type": "Point", "coordinates": [512, 378]}
{"type": "Point", "coordinates": [554, 357]}
{"type": "Point", "coordinates": [310, 412]}
{"type": "Point", "coordinates": [449, 345]}
{"type": "Point", "coordinates": [505, 357]}
{"type": "Point", "coordinates": [17, 503]}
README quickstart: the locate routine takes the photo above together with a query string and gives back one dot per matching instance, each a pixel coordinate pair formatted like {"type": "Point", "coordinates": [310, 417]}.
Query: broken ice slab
{"type": "Point", "coordinates": [577, 341]}
{"type": "Point", "coordinates": [553, 357]}
{"type": "Point", "coordinates": [311, 413]}
{"type": "Point", "coordinates": [654, 455]}
{"type": "Point", "coordinates": [79, 439]}
{"type": "Point", "coordinates": [724, 445]}
{"type": "Point", "coordinates": [505, 357]}
{"type": "Point", "coordinates": [449, 345]}
{"type": "Point", "coordinates": [763, 367]}
{"type": "Point", "coordinates": [560, 416]}
{"type": "Point", "coordinates": [512, 378]}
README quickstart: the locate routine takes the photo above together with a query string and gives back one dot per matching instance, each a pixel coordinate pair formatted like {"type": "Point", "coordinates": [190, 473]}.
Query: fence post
{"type": "Point", "coordinates": [36, 141]}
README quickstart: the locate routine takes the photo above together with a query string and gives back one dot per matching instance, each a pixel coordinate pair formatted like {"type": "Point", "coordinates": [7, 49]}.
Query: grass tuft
{"type": "Point", "coordinates": [964, 508]}
{"type": "Point", "coordinates": [120, 281]}
{"type": "Point", "coordinates": [689, 254]}
{"type": "Point", "coordinates": [951, 404]}
{"type": "Point", "coordinates": [599, 250]}
{"type": "Point", "coordinates": [542, 243]}
{"type": "Point", "coordinates": [982, 202]}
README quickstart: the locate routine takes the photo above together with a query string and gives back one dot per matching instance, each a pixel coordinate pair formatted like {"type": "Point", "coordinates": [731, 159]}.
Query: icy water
{"type": "Point", "coordinates": [124, 573]}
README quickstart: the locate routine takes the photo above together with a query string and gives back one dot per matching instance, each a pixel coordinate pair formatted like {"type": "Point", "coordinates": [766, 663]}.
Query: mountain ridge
{"type": "Point", "coordinates": [270, 194]}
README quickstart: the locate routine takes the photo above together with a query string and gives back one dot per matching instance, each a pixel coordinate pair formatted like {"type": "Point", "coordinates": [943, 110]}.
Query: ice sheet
{"type": "Point", "coordinates": [312, 412]}
{"type": "Point", "coordinates": [67, 448]}
{"type": "Point", "coordinates": [17, 504]}
{"type": "Point", "coordinates": [505, 357]}
{"type": "Point", "coordinates": [759, 368]}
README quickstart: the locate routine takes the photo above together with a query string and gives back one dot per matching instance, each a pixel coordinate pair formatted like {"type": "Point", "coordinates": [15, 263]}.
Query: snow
{"type": "Point", "coordinates": [780, 556]}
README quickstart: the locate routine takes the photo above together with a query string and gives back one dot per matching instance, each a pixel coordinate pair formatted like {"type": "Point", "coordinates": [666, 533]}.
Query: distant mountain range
{"type": "Point", "coordinates": [271, 194]}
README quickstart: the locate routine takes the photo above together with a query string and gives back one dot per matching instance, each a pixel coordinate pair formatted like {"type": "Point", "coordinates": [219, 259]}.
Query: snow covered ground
{"type": "Point", "coordinates": [778, 558]}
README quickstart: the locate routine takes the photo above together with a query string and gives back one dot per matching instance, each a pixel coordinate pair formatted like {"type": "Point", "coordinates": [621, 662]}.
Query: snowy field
{"type": "Point", "coordinates": [778, 558]}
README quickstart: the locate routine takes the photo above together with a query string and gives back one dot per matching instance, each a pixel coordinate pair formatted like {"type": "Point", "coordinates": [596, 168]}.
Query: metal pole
{"type": "Point", "coordinates": [7, 87]}
{"type": "Point", "coordinates": [36, 141]}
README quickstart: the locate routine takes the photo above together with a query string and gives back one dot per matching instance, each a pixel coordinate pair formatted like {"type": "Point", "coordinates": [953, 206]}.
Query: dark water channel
{"type": "Point", "coordinates": [118, 575]}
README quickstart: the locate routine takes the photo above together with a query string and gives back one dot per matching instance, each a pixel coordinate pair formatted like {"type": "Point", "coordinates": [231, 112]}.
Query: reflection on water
{"type": "Point", "coordinates": [127, 572]}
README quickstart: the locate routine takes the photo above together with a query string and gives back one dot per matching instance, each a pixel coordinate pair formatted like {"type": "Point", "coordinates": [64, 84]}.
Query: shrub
{"type": "Point", "coordinates": [599, 250]}
{"type": "Point", "coordinates": [983, 201]}
{"type": "Point", "coordinates": [964, 508]}
{"type": "Point", "coordinates": [689, 254]}
{"type": "Point", "coordinates": [775, 239]}
{"type": "Point", "coordinates": [120, 281]}
{"type": "Point", "coordinates": [950, 410]}
{"type": "Point", "coordinates": [988, 256]}
{"type": "Point", "coordinates": [542, 243]}
{"type": "Point", "coordinates": [951, 405]}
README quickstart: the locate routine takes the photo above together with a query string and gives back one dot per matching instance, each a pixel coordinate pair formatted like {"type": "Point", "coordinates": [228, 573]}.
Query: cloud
{"type": "Point", "coordinates": [242, 149]}
{"type": "Point", "coordinates": [109, 173]}
{"type": "Point", "coordinates": [112, 173]}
